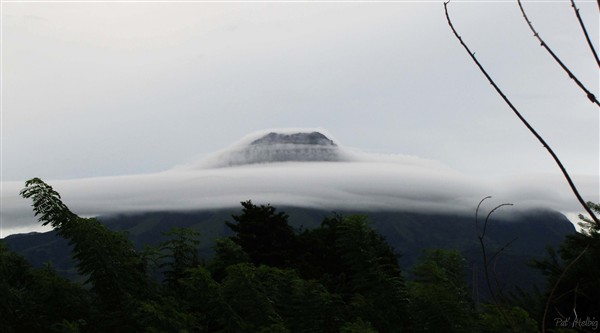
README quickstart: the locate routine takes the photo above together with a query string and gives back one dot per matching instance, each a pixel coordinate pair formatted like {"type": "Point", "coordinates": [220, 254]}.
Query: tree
{"type": "Point", "coordinates": [358, 326]}
{"type": "Point", "coordinates": [573, 279]}
{"type": "Point", "coordinates": [115, 271]}
{"type": "Point", "coordinates": [36, 300]}
{"type": "Point", "coordinates": [273, 299]}
{"type": "Point", "coordinates": [440, 297]}
{"type": "Point", "coordinates": [374, 287]}
{"type": "Point", "coordinates": [180, 253]}
{"type": "Point", "coordinates": [319, 257]}
{"type": "Point", "coordinates": [264, 235]}
{"type": "Point", "coordinates": [493, 321]}
{"type": "Point", "coordinates": [227, 253]}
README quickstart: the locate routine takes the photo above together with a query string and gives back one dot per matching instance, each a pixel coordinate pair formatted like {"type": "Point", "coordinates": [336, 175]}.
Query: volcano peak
{"type": "Point", "coordinates": [282, 146]}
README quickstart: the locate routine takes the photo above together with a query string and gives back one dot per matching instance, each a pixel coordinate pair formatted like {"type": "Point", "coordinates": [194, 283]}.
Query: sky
{"type": "Point", "coordinates": [104, 90]}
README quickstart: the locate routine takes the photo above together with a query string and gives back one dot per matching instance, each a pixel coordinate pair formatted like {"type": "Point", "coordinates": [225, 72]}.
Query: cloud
{"type": "Point", "coordinates": [365, 182]}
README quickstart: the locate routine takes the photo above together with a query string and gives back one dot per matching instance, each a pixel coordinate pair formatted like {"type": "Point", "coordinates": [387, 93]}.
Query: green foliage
{"type": "Point", "coordinates": [227, 253]}
{"type": "Point", "coordinates": [274, 328]}
{"type": "Point", "coordinates": [37, 300]}
{"type": "Point", "coordinates": [245, 293]}
{"type": "Point", "coordinates": [492, 321]}
{"type": "Point", "coordinates": [179, 254]}
{"type": "Point", "coordinates": [162, 315]}
{"type": "Point", "coordinates": [574, 274]}
{"type": "Point", "coordinates": [341, 277]}
{"type": "Point", "coordinates": [319, 257]}
{"type": "Point", "coordinates": [203, 300]}
{"type": "Point", "coordinates": [264, 296]}
{"type": "Point", "coordinates": [373, 274]}
{"type": "Point", "coordinates": [48, 206]}
{"type": "Point", "coordinates": [441, 300]}
{"type": "Point", "coordinates": [115, 270]}
{"type": "Point", "coordinates": [264, 234]}
{"type": "Point", "coordinates": [358, 326]}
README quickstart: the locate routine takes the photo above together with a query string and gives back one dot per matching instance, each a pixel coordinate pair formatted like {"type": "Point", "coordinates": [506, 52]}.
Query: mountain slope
{"type": "Point", "coordinates": [408, 233]}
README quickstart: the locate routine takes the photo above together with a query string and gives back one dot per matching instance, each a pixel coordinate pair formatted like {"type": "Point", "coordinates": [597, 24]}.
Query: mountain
{"type": "Point", "coordinates": [301, 168]}
{"type": "Point", "coordinates": [284, 147]}
{"type": "Point", "coordinates": [409, 234]}
{"type": "Point", "coordinates": [414, 203]}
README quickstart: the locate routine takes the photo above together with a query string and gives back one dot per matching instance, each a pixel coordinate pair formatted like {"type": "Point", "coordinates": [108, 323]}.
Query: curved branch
{"type": "Point", "coordinates": [547, 305]}
{"type": "Point", "coordinates": [477, 211]}
{"type": "Point", "coordinates": [524, 121]}
{"type": "Point", "coordinates": [589, 94]}
{"type": "Point", "coordinates": [585, 33]}
{"type": "Point", "coordinates": [485, 257]}
{"type": "Point", "coordinates": [490, 214]}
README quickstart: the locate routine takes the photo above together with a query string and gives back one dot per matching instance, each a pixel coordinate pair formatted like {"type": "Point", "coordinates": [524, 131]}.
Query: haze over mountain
{"type": "Point", "coordinates": [298, 168]}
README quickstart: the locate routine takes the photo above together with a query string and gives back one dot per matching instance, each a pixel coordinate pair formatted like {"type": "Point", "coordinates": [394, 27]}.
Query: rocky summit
{"type": "Point", "coordinates": [313, 138]}
{"type": "Point", "coordinates": [284, 147]}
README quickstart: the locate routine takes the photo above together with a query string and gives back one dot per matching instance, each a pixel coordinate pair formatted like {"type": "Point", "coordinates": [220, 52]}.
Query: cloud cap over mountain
{"type": "Point", "coordinates": [294, 167]}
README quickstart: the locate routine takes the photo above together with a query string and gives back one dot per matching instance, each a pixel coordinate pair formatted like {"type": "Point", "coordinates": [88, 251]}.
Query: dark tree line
{"type": "Point", "coordinates": [267, 277]}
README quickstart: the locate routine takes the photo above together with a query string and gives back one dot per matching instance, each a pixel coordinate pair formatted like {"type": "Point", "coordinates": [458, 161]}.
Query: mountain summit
{"type": "Point", "coordinates": [274, 147]}
{"type": "Point", "coordinates": [312, 138]}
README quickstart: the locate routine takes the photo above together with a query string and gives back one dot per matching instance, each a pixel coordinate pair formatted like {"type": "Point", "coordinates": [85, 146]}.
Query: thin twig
{"type": "Point", "coordinates": [529, 127]}
{"type": "Point", "coordinates": [556, 286]}
{"type": "Point", "coordinates": [477, 210]}
{"type": "Point", "coordinates": [494, 261]}
{"type": "Point", "coordinates": [475, 285]}
{"type": "Point", "coordinates": [503, 248]}
{"type": "Point", "coordinates": [589, 94]}
{"type": "Point", "coordinates": [490, 214]}
{"type": "Point", "coordinates": [485, 259]}
{"type": "Point", "coordinates": [585, 33]}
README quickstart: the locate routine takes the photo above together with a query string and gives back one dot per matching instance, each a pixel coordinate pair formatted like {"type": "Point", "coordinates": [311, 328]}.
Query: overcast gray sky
{"type": "Point", "coordinates": [109, 89]}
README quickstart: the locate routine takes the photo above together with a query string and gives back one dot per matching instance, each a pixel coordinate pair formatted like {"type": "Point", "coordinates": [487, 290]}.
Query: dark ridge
{"type": "Point", "coordinates": [408, 233]}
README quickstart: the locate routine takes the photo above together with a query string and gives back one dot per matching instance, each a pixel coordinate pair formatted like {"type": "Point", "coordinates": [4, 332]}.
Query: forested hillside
{"type": "Point", "coordinates": [408, 233]}
{"type": "Point", "coordinates": [267, 276]}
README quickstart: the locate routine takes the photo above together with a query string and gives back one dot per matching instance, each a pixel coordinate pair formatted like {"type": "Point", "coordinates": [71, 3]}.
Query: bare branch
{"type": "Point", "coordinates": [524, 121]}
{"type": "Point", "coordinates": [585, 33]}
{"type": "Point", "coordinates": [499, 252]}
{"type": "Point", "coordinates": [494, 261]}
{"type": "Point", "coordinates": [589, 94]}
{"type": "Point", "coordinates": [490, 214]}
{"type": "Point", "coordinates": [485, 258]}
{"type": "Point", "coordinates": [477, 211]}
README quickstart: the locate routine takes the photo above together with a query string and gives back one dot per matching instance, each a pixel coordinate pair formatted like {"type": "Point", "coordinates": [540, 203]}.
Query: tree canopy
{"type": "Point", "coordinates": [267, 277]}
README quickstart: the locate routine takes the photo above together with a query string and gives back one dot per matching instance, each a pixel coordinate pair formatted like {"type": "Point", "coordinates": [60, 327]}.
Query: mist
{"type": "Point", "coordinates": [358, 181]}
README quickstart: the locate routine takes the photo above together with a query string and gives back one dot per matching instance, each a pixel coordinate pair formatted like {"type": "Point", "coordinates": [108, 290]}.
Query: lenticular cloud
{"type": "Point", "coordinates": [297, 167]}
